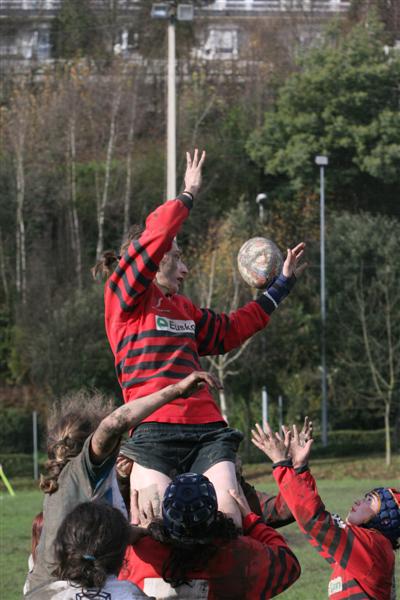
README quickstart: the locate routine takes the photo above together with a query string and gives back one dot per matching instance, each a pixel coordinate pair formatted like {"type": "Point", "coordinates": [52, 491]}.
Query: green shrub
{"type": "Point", "coordinates": [16, 434]}
{"type": "Point", "coordinates": [346, 442]}
{"type": "Point", "coordinates": [20, 465]}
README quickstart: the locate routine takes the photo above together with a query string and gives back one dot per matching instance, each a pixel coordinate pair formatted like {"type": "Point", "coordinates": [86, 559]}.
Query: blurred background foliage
{"type": "Point", "coordinates": [82, 157]}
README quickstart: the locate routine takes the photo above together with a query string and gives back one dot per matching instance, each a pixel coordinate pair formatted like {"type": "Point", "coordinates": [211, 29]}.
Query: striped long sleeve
{"type": "Point", "coordinates": [218, 333]}
{"type": "Point", "coordinates": [138, 267]}
{"type": "Point", "coordinates": [281, 567]}
{"type": "Point", "coordinates": [362, 559]}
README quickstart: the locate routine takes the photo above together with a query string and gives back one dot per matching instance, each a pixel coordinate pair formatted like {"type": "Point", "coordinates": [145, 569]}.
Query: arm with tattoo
{"type": "Point", "coordinates": [108, 434]}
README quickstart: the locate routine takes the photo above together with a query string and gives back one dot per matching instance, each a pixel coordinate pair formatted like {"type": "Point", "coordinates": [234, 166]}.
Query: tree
{"type": "Point", "coordinates": [220, 286]}
{"type": "Point", "coordinates": [388, 12]}
{"type": "Point", "coordinates": [342, 102]}
{"type": "Point", "coordinates": [365, 310]}
{"type": "Point", "coordinates": [77, 31]}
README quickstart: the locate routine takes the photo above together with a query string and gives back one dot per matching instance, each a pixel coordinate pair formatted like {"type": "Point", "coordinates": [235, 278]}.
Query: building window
{"type": "Point", "coordinates": [220, 44]}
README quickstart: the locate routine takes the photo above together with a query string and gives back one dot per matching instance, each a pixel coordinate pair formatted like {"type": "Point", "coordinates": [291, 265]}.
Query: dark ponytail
{"type": "Point", "coordinates": [106, 265]}
{"type": "Point", "coordinates": [90, 545]}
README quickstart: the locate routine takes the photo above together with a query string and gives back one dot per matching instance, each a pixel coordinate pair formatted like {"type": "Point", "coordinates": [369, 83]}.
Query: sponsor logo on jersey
{"type": "Point", "coordinates": [196, 589]}
{"type": "Point", "coordinates": [174, 325]}
{"type": "Point", "coordinates": [335, 586]}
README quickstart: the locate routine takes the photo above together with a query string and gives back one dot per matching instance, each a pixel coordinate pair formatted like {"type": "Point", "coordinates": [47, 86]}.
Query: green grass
{"type": "Point", "coordinates": [16, 516]}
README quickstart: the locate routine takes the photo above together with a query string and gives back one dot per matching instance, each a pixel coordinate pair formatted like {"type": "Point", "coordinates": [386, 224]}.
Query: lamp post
{"type": "Point", "coordinates": [261, 200]}
{"type": "Point", "coordinates": [171, 11]}
{"type": "Point", "coordinates": [322, 162]}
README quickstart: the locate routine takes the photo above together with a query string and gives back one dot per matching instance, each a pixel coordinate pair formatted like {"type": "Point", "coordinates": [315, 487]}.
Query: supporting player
{"type": "Point", "coordinates": [196, 550]}
{"type": "Point", "coordinates": [359, 550]}
{"type": "Point", "coordinates": [89, 552]}
{"type": "Point", "coordinates": [158, 335]}
{"type": "Point", "coordinates": [83, 444]}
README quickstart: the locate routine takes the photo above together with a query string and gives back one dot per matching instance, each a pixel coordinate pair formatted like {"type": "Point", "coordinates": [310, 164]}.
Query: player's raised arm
{"type": "Point", "coordinates": [109, 432]}
{"type": "Point", "coordinates": [140, 255]}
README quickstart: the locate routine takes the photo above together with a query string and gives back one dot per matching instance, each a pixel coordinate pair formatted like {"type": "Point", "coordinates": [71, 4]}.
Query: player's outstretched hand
{"type": "Point", "coordinates": [300, 446]}
{"type": "Point", "coordinates": [307, 431]}
{"type": "Point", "coordinates": [193, 171]}
{"type": "Point", "coordinates": [241, 501]}
{"type": "Point", "coordinates": [292, 265]}
{"type": "Point", "coordinates": [274, 445]}
{"type": "Point", "coordinates": [195, 381]}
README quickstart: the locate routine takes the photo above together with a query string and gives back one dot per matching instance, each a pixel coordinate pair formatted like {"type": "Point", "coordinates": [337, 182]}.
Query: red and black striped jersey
{"type": "Point", "coordinates": [273, 509]}
{"type": "Point", "coordinates": [362, 560]}
{"type": "Point", "coordinates": [258, 565]}
{"type": "Point", "coordinates": [157, 339]}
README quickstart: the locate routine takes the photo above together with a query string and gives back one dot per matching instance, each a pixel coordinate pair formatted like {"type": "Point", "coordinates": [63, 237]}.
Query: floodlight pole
{"type": "Point", "coordinates": [171, 10]}
{"type": "Point", "coordinates": [171, 111]}
{"type": "Point", "coordinates": [264, 405]}
{"type": "Point", "coordinates": [35, 446]}
{"type": "Point", "coordinates": [322, 162]}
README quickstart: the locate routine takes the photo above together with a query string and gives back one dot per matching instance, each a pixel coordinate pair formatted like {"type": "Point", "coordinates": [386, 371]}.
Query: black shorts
{"type": "Point", "coordinates": [172, 448]}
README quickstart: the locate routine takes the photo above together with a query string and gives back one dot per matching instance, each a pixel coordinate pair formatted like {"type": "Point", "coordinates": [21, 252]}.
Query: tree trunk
{"type": "Point", "coordinates": [128, 185]}
{"type": "Point", "coordinates": [3, 270]}
{"type": "Point", "coordinates": [104, 199]}
{"type": "Point", "coordinates": [20, 225]}
{"type": "Point", "coordinates": [75, 237]}
{"type": "Point", "coordinates": [387, 433]}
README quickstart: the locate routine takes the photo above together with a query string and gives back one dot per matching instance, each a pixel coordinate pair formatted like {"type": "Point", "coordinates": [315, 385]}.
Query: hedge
{"type": "Point", "coordinates": [16, 434]}
{"type": "Point", "coordinates": [341, 443]}
{"type": "Point", "coordinates": [20, 465]}
{"type": "Point", "coordinates": [346, 442]}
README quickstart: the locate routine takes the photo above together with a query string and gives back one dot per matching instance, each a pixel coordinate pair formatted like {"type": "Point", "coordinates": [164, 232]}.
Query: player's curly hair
{"type": "Point", "coordinates": [107, 263]}
{"type": "Point", "coordinates": [186, 557]}
{"type": "Point", "coordinates": [90, 545]}
{"type": "Point", "coordinates": [70, 423]}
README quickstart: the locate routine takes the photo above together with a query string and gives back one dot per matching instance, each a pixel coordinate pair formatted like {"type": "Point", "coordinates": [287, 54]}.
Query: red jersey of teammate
{"type": "Point", "coordinates": [362, 559]}
{"type": "Point", "coordinates": [157, 338]}
{"type": "Point", "coordinates": [258, 565]}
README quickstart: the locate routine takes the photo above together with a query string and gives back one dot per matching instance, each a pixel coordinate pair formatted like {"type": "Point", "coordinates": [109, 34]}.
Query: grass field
{"type": "Point", "coordinates": [338, 492]}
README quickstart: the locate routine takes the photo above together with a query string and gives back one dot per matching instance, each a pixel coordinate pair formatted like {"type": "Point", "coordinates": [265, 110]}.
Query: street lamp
{"type": "Point", "coordinates": [261, 200]}
{"type": "Point", "coordinates": [183, 12]}
{"type": "Point", "coordinates": [322, 162]}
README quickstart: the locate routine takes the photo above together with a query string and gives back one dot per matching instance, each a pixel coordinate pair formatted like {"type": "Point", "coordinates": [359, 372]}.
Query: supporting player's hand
{"type": "Point", "coordinates": [194, 382]}
{"type": "Point", "coordinates": [141, 515]}
{"type": "Point", "coordinates": [241, 501]}
{"type": "Point", "coordinates": [272, 444]}
{"type": "Point", "coordinates": [123, 466]}
{"type": "Point", "coordinates": [193, 171]}
{"type": "Point", "coordinates": [300, 445]}
{"type": "Point", "coordinates": [291, 265]}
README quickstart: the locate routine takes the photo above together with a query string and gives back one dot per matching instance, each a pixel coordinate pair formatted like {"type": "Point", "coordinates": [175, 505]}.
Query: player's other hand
{"type": "Point", "coordinates": [275, 446]}
{"type": "Point", "coordinates": [193, 171]}
{"type": "Point", "coordinates": [194, 382]}
{"type": "Point", "coordinates": [292, 265]}
{"type": "Point", "coordinates": [300, 447]}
